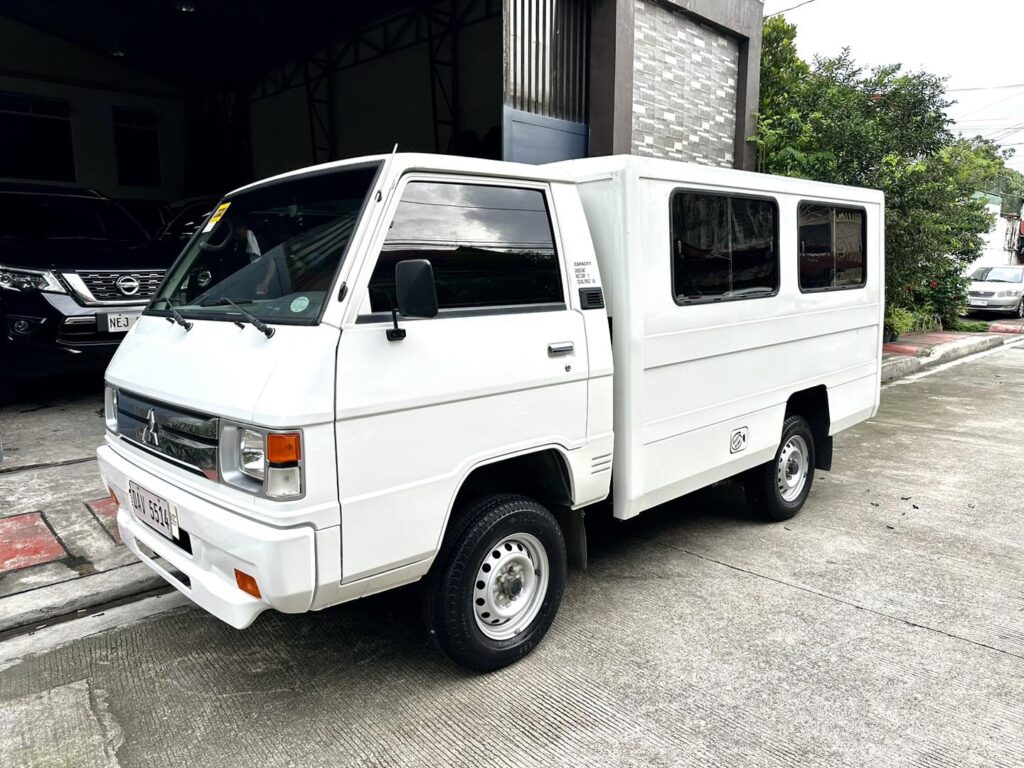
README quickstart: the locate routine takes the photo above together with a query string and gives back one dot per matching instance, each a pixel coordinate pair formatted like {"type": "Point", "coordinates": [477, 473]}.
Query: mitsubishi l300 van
{"type": "Point", "coordinates": [392, 369]}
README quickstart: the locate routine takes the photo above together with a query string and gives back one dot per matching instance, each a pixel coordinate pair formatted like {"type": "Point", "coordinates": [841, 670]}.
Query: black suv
{"type": "Point", "coordinates": [75, 272]}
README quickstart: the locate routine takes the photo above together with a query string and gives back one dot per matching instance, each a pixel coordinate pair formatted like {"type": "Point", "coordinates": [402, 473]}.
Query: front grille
{"type": "Point", "coordinates": [122, 285]}
{"type": "Point", "coordinates": [182, 437]}
{"type": "Point", "coordinates": [982, 294]}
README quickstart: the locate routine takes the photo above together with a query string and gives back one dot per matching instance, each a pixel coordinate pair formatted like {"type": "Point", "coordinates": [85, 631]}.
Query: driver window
{"type": "Point", "coordinates": [490, 246]}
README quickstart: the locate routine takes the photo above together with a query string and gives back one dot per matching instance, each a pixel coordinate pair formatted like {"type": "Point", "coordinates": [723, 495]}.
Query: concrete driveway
{"type": "Point", "coordinates": [882, 626]}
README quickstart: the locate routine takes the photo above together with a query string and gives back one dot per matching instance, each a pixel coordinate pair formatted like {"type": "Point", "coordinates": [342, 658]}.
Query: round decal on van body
{"type": "Point", "coordinates": [299, 304]}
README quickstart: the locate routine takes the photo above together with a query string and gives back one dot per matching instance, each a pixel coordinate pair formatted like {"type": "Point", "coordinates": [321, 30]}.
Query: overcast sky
{"type": "Point", "coordinates": [978, 45]}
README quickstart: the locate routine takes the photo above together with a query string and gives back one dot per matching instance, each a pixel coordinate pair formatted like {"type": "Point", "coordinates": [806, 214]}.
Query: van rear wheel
{"type": "Point", "coordinates": [777, 490]}
{"type": "Point", "coordinates": [496, 585]}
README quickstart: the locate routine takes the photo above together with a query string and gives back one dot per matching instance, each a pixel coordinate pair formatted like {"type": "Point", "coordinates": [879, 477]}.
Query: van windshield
{"type": "Point", "coordinates": [273, 250]}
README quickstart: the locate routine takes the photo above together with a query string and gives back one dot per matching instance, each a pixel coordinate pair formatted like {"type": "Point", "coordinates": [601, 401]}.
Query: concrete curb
{"type": "Point", "coordinates": [899, 366]}
{"type": "Point", "coordinates": [38, 606]}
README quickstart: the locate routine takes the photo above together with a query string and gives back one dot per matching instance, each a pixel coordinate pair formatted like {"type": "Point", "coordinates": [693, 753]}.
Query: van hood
{"type": "Point", "coordinates": [65, 254]}
{"type": "Point", "coordinates": [222, 370]}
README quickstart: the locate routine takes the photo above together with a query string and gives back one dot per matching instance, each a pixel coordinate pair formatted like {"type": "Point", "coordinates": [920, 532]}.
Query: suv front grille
{"type": "Point", "coordinates": [182, 437]}
{"type": "Point", "coordinates": [122, 286]}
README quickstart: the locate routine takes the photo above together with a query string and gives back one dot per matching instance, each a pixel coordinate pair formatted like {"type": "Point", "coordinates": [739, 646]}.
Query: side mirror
{"type": "Point", "coordinates": [415, 289]}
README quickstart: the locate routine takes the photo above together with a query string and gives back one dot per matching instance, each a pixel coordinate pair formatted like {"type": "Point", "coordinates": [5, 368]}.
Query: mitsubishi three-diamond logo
{"type": "Point", "coordinates": [149, 433]}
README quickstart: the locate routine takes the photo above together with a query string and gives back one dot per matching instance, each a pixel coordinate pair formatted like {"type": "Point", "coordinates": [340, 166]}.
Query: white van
{"type": "Point", "coordinates": [411, 367]}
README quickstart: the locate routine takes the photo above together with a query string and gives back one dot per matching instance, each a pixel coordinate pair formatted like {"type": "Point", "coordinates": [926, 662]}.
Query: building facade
{"type": "Point", "coordinates": [526, 80]}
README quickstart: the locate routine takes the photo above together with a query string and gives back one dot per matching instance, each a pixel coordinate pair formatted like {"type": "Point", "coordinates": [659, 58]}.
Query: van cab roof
{"type": "Point", "coordinates": [587, 169]}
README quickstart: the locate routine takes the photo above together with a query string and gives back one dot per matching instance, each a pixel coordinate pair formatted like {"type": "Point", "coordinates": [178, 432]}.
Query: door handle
{"type": "Point", "coordinates": [560, 348]}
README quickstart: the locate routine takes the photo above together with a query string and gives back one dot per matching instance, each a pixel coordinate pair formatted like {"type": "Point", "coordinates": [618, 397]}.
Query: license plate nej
{"type": "Point", "coordinates": [154, 511]}
{"type": "Point", "coordinates": [116, 322]}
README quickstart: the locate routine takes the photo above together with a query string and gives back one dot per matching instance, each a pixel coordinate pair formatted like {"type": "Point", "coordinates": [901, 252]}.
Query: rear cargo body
{"type": "Point", "coordinates": [686, 377]}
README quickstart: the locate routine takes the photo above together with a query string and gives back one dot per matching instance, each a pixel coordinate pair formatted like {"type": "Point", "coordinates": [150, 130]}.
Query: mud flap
{"type": "Point", "coordinates": [575, 532]}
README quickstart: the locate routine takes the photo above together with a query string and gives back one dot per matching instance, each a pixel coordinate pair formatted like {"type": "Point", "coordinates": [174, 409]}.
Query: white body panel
{"type": "Point", "coordinates": [687, 376]}
{"type": "Point", "coordinates": [392, 429]}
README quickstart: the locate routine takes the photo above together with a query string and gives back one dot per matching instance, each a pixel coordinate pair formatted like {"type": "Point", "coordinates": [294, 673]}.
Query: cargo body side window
{"type": "Point", "coordinates": [489, 246]}
{"type": "Point", "coordinates": [724, 247]}
{"type": "Point", "coordinates": [831, 247]}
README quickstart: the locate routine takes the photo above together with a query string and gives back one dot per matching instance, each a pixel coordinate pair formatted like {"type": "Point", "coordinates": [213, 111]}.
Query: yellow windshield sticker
{"type": "Point", "coordinates": [217, 216]}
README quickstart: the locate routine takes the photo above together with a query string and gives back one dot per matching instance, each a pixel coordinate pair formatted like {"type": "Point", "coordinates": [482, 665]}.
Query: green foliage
{"type": "Point", "coordinates": [968, 326]}
{"type": "Point", "coordinates": [900, 320]}
{"type": "Point", "coordinates": [945, 292]}
{"type": "Point", "coordinates": [1010, 187]}
{"type": "Point", "coordinates": [886, 129]}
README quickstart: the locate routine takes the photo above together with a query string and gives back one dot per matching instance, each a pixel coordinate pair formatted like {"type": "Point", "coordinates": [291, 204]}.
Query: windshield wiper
{"type": "Point", "coordinates": [177, 318]}
{"type": "Point", "coordinates": [258, 324]}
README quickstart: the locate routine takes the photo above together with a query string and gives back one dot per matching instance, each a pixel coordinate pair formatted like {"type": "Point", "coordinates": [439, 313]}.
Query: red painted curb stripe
{"type": "Point", "coordinates": [26, 540]}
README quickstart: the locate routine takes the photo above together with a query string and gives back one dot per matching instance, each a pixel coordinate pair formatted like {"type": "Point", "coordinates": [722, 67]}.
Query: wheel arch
{"type": "Point", "coordinates": [543, 474]}
{"type": "Point", "coordinates": [812, 404]}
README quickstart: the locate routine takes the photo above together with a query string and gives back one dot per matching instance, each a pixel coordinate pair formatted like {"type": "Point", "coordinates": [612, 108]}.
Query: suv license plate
{"type": "Point", "coordinates": [120, 323]}
{"type": "Point", "coordinates": [155, 512]}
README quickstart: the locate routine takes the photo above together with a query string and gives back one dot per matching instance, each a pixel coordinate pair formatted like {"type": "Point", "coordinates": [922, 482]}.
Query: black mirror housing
{"type": "Point", "coordinates": [415, 290]}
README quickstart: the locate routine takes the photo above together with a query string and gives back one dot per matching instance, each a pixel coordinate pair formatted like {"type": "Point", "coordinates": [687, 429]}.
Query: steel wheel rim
{"type": "Point", "coordinates": [510, 585]}
{"type": "Point", "coordinates": [794, 464]}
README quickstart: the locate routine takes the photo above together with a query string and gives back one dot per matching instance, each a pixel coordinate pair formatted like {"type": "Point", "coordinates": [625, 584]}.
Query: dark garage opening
{"type": "Point", "coordinates": [168, 100]}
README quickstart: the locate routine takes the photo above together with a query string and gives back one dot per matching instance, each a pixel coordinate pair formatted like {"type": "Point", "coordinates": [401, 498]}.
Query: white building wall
{"type": "Point", "coordinates": [999, 242]}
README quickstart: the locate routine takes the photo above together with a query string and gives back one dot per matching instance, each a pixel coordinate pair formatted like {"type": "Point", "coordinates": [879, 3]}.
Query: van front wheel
{"type": "Point", "coordinates": [497, 583]}
{"type": "Point", "coordinates": [777, 490]}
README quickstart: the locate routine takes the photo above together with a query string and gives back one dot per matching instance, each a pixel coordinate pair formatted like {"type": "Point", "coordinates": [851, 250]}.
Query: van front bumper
{"type": "Point", "coordinates": [282, 560]}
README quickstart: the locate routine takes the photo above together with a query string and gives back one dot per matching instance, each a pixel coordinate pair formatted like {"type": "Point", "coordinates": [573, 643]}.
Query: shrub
{"type": "Point", "coordinates": [945, 292]}
{"type": "Point", "coordinates": [968, 326]}
{"type": "Point", "coordinates": [899, 320]}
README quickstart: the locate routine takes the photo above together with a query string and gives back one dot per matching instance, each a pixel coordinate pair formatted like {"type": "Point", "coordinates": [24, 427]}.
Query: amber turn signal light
{"type": "Point", "coordinates": [284, 448]}
{"type": "Point", "coordinates": [247, 583]}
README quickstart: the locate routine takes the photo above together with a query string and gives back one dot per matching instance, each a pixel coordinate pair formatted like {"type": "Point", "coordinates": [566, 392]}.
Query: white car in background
{"type": "Point", "coordinates": [998, 289]}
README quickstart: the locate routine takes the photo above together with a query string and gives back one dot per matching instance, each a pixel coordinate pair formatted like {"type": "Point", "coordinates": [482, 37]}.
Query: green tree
{"type": "Point", "coordinates": [887, 129]}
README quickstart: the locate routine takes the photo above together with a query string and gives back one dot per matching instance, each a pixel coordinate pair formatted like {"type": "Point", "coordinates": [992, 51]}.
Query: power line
{"type": "Point", "coordinates": [984, 88]}
{"type": "Point", "coordinates": [791, 8]}
{"type": "Point", "coordinates": [994, 103]}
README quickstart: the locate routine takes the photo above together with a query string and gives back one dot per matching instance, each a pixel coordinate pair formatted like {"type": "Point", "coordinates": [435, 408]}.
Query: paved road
{"type": "Point", "coordinates": [883, 626]}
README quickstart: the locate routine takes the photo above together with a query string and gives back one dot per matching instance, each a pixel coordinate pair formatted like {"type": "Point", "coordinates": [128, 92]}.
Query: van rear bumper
{"type": "Point", "coordinates": [282, 560]}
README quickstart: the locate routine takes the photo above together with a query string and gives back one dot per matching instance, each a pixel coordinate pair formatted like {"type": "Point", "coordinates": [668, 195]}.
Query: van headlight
{"type": "Point", "coordinates": [261, 461]}
{"type": "Point", "coordinates": [252, 454]}
{"type": "Point", "coordinates": [110, 407]}
{"type": "Point", "coordinates": [17, 279]}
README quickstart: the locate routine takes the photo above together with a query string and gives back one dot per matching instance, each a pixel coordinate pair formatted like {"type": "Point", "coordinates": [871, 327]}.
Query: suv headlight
{"type": "Point", "coordinates": [17, 279]}
{"type": "Point", "coordinates": [110, 407]}
{"type": "Point", "coordinates": [262, 461]}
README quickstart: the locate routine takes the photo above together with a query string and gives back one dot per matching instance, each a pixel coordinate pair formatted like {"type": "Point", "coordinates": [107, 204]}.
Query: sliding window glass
{"type": "Point", "coordinates": [723, 247]}
{"type": "Point", "coordinates": [831, 243]}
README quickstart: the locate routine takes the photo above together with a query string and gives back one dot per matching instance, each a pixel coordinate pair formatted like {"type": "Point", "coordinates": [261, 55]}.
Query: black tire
{"type": "Point", "coordinates": [1019, 311]}
{"type": "Point", "coordinates": [762, 484]}
{"type": "Point", "coordinates": [451, 592]}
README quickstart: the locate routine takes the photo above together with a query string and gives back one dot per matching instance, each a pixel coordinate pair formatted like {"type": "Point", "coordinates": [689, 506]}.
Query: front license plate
{"type": "Point", "coordinates": [979, 303]}
{"type": "Point", "coordinates": [119, 323]}
{"type": "Point", "coordinates": [155, 512]}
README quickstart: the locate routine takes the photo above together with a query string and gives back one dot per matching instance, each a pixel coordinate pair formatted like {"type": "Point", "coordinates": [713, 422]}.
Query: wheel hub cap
{"type": "Point", "coordinates": [794, 464]}
{"type": "Point", "coordinates": [510, 585]}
